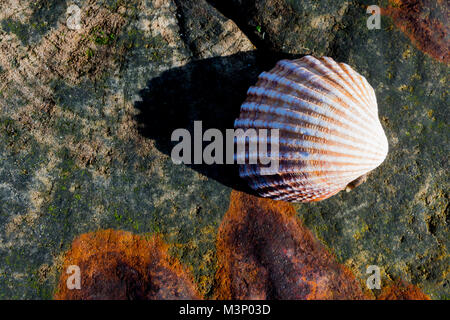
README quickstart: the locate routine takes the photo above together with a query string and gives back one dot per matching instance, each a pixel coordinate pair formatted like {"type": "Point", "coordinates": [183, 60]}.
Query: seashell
{"type": "Point", "coordinates": [330, 136]}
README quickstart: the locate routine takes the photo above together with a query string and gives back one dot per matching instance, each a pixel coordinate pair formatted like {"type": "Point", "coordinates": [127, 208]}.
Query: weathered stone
{"type": "Point", "coordinates": [80, 150]}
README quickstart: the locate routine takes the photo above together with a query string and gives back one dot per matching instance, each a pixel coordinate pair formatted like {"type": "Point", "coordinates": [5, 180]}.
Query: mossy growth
{"type": "Point", "coordinates": [45, 15]}
{"type": "Point", "coordinates": [21, 30]}
{"type": "Point", "coordinates": [101, 37]}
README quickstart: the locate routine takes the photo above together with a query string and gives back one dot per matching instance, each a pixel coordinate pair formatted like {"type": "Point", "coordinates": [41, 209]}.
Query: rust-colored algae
{"type": "Point", "coordinates": [401, 290]}
{"type": "Point", "coordinates": [264, 252]}
{"type": "Point", "coordinates": [428, 32]}
{"type": "Point", "coordinates": [121, 265]}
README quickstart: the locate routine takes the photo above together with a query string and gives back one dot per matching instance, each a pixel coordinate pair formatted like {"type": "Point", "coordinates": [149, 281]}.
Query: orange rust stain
{"type": "Point", "coordinates": [121, 265]}
{"type": "Point", "coordinates": [425, 23]}
{"type": "Point", "coordinates": [265, 252]}
{"type": "Point", "coordinates": [401, 290]}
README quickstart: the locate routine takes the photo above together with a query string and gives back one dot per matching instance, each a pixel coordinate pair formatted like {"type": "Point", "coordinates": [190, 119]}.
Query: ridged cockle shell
{"type": "Point", "coordinates": [329, 132]}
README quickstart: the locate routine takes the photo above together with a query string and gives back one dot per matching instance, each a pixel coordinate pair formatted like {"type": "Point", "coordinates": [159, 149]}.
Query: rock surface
{"type": "Point", "coordinates": [86, 117]}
